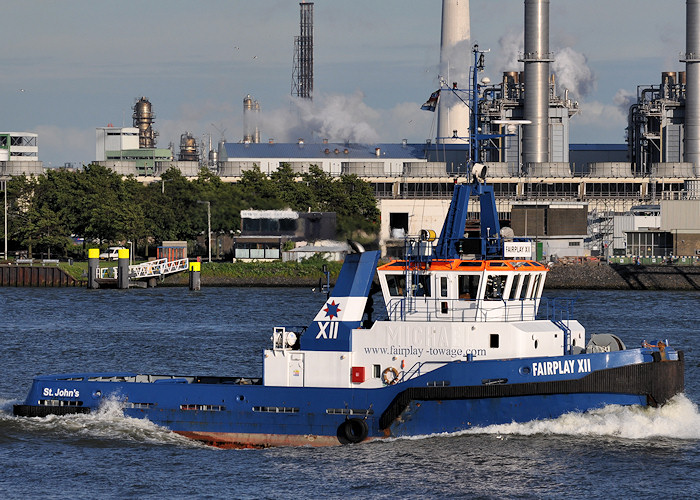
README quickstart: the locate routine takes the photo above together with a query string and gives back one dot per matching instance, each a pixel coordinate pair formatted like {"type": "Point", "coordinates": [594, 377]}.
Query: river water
{"type": "Point", "coordinates": [221, 331]}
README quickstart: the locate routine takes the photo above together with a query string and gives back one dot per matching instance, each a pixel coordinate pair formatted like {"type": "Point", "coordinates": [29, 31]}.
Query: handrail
{"type": "Point", "coordinates": [481, 310]}
{"type": "Point", "coordinates": [451, 310]}
{"type": "Point", "coordinates": [157, 268]}
{"type": "Point", "coordinates": [415, 370]}
{"type": "Point", "coordinates": [151, 269]}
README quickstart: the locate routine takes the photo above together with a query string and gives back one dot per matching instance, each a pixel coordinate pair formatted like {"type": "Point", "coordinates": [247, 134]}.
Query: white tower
{"type": "Point", "coordinates": [455, 57]}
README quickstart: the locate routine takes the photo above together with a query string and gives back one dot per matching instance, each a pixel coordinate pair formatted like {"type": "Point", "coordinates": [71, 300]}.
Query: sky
{"type": "Point", "coordinates": [70, 66]}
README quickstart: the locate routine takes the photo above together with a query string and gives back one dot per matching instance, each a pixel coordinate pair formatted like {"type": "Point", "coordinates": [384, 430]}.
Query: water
{"type": "Point", "coordinates": [628, 451]}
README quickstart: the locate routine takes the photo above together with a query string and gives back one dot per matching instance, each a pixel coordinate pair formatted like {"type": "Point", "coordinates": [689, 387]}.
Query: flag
{"type": "Point", "coordinates": [432, 102]}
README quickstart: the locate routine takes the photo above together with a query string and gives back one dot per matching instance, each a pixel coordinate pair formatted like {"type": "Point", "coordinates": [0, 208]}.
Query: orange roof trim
{"type": "Point", "coordinates": [467, 265]}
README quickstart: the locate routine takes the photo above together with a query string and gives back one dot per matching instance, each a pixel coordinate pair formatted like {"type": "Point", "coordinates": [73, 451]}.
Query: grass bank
{"type": "Point", "coordinates": [275, 273]}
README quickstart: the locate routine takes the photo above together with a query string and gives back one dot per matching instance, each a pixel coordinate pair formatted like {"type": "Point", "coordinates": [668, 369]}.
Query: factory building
{"type": "Point", "coordinates": [111, 140]}
{"type": "Point", "coordinates": [133, 151]}
{"type": "Point", "coordinates": [19, 154]}
{"type": "Point", "coordinates": [379, 160]}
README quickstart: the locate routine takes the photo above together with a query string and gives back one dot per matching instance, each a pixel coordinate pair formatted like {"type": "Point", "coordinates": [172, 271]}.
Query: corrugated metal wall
{"type": "Point", "coordinates": [680, 215]}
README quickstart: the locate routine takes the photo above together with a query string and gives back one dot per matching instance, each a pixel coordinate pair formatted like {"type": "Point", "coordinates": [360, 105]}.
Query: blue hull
{"type": "Point", "coordinates": [232, 412]}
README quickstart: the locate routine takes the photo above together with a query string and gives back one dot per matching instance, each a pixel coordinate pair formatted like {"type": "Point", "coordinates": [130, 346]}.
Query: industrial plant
{"type": "Point", "coordinates": [635, 200]}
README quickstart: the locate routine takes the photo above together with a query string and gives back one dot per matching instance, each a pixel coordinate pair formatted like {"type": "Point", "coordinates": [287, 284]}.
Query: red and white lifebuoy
{"type": "Point", "coordinates": [390, 376]}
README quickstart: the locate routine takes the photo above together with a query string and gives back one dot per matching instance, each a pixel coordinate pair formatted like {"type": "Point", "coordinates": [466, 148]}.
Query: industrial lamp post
{"type": "Point", "coordinates": [208, 225]}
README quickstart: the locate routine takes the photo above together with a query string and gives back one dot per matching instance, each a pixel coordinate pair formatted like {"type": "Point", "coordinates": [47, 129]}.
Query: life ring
{"type": "Point", "coordinates": [390, 379]}
{"type": "Point", "coordinates": [354, 430]}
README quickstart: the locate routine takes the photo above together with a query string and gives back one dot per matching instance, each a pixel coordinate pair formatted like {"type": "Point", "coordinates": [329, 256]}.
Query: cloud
{"type": "Point", "coordinates": [599, 122]}
{"type": "Point", "coordinates": [69, 145]}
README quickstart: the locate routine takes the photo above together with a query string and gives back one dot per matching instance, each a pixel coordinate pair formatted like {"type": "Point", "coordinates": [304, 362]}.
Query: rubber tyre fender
{"type": "Point", "coordinates": [355, 430]}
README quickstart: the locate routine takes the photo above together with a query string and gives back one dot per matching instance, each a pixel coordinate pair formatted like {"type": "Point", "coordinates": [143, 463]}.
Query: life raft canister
{"type": "Point", "coordinates": [390, 376]}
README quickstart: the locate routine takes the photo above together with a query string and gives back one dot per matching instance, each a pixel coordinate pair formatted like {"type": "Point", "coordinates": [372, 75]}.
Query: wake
{"type": "Point", "coordinates": [107, 424]}
{"type": "Point", "coordinates": [677, 419]}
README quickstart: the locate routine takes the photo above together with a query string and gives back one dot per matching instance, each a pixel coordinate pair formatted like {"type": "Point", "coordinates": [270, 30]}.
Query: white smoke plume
{"type": "Point", "coordinates": [570, 67]}
{"type": "Point", "coordinates": [623, 99]}
{"type": "Point", "coordinates": [455, 62]}
{"type": "Point", "coordinates": [573, 73]}
{"type": "Point", "coordinates": [511, 46]}
{"type": "Point", "coordinates": [335, 117]}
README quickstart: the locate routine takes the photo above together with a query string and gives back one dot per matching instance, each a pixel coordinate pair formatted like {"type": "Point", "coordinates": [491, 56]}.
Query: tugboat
{"type": "Point", "coordinates": [465, 341]}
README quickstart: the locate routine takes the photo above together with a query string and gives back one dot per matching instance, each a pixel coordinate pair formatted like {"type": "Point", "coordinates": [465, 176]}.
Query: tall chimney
{"type": "Point", "coordinates": [692, 86]}
{"type": "Point", "coordinates": [536, 58]}
{"type": "Point", "coordinates": [455, 54]}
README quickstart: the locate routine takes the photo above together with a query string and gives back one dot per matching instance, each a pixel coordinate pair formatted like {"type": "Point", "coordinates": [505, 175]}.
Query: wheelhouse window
{"type": "Point", "coordinates": [526, 285]}
{"type": "Point", "coordinates": [495, 285]}
{"type": "Point", "coordinates": [514, 287]}
{"type": "Point", "coordinates": [396, 284]}
{"type": "Point", "coordinates": [421, 285]}
{"type": "Point", "coordinates": [536, 286]}
{"type": "Point", "coordinates": [468, 285]}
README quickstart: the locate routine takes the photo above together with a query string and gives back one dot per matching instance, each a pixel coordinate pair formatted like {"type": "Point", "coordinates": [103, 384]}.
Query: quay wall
{"type": "Point", "coordinates": [601, 276]}
{"type": "Point", "coordinates": [35, 276]}
{"type": "Point", "coordinates": [587, 275]}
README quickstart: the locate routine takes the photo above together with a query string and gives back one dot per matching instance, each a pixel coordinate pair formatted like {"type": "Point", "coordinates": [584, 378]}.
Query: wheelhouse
{"type": "Point", "coordinates": [459, 290]}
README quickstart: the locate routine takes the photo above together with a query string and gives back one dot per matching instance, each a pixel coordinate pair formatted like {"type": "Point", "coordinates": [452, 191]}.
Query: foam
{"type": "Point", "coordinates": [107, 423]}
{"type": "Point", "coordinates": [678, 419]}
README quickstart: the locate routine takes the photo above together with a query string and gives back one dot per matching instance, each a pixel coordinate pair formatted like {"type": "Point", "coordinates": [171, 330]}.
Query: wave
{"type": "Point", "coordinates": [107, 424]}
{"type": "Point", "coordinates": [677, 419]}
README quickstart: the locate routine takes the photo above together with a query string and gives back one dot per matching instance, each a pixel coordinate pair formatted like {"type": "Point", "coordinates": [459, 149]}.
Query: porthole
{"type": "Point", "coordinates": [536, 343]}
{"type": "Point", "coordinates": [524, 370]}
